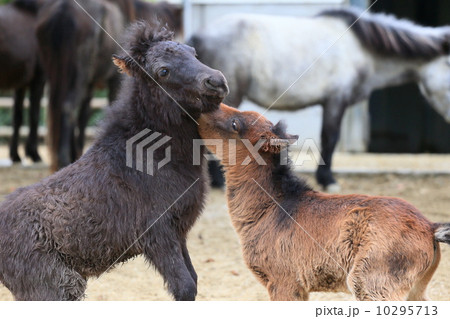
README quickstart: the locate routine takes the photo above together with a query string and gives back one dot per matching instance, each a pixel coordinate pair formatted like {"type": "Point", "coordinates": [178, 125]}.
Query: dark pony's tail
{"type": "Point", "coordinates": [442, 233]}
{"type": "Point", "coordinates": [57, 37]}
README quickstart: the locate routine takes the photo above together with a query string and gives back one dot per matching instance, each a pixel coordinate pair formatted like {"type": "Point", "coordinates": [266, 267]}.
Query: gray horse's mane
{"type": "Point", "coordinates": [387, 35]}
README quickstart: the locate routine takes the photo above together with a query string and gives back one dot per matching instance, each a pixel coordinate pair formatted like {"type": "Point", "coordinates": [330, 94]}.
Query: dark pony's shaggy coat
{"type": "Point", "coordinates": [97, 212]}
{"type": "Point", "coordinates": [296, 240]}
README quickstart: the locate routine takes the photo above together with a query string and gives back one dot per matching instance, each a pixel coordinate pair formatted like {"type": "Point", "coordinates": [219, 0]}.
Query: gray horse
{"type": "Point", "coordinates": [274, 62]}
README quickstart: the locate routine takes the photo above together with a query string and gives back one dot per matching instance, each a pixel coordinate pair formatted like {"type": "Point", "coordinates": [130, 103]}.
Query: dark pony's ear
{"type": "Point", "coordinates": [278, 139]}
{"type": "Point", "coordinates": [125, 64]}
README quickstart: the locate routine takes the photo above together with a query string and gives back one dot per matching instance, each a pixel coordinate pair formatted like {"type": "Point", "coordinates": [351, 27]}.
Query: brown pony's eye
{"type": "Point", "coordinates": [163, 72]}
{"type": "Point", "coordinates": [234, 125]}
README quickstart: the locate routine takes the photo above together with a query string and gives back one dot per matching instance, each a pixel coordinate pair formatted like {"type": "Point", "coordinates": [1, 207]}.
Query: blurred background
{"type": "Point", "coordinates": [393, 120]}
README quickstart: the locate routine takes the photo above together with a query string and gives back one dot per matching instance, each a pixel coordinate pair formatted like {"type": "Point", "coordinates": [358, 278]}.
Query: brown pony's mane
{"type": "Point", "coordinates": [387, 35]}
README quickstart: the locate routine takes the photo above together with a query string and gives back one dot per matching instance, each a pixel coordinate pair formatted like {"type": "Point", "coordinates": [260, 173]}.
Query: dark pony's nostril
{"type": "Point", "coordinates": [212, 83]}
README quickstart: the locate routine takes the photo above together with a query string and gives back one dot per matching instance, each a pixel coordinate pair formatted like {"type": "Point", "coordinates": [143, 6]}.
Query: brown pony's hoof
{"type": "Point", "coordinates": [333, 188]}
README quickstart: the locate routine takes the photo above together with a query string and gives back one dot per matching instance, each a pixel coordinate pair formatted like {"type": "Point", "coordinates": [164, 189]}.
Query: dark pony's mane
{"type": "Point", "coordinates": [389, 36]}
{"type": "Point", "coordinates": [142, 35]}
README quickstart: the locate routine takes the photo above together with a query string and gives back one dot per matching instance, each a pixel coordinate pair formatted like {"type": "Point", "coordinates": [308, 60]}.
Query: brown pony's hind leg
{"type": "Point", "coordinates": [372, 283]}
{"type": "Point", "coordinates": [286, 292]}
{"type": "Point", "coordinates": [418, 292]}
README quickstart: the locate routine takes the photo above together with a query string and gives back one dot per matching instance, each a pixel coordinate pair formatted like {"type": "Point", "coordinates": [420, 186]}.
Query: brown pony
{"type": "Point", "coordinates": [296, 240]}
{"type": "Point", "coordinates": [21, 70]}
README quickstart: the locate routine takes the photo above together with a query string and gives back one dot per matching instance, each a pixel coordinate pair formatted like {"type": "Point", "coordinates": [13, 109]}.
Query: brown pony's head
{"type": "Point", "coordinates": [244, 129]}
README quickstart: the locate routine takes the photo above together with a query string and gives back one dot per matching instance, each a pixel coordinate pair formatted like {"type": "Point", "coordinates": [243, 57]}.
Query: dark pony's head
{"type": "Point", "coordinates": [154, 58]}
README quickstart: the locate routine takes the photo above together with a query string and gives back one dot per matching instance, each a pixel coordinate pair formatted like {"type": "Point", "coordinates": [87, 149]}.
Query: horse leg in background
{"type": "Point", "coordinates": [167, 257]}
{"type": "Point", "coordinates": [83, 119]}
{"type": "Point", "coordinates": [66, 143]}
{"type": "Point", "coordinates": [331, 125]}
{"type": "Point", "coordinates": [19, 96]}
{"type": "Point", "coordinates": [216, 174]}
{"type": "Point", "coordinates": [114, 86]}
{"type": "Point", "coordinates": [36, 92]}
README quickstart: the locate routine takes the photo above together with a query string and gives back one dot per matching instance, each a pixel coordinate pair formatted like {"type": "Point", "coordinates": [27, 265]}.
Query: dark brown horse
{"type": "Point", "coordinates": [76, 55]}
{"type": "Point", "coordinates": [164, 11]}
{"type": "Point", "coordinates": [21, 70]}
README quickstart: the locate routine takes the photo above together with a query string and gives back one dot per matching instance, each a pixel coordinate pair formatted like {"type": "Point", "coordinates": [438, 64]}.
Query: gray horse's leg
{"type": "Point", "coordinates": [331, 125]}
{"type": "Point", "coordinates": [166, 253]}
{"type": "Point", "coordinates": [83, 119]}
{"type": "Point", "coordinates": [19, 96]}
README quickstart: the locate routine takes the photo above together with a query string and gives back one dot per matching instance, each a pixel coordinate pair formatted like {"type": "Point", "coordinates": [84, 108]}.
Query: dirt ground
{"type": "Point", "coordinates": [214, 246]}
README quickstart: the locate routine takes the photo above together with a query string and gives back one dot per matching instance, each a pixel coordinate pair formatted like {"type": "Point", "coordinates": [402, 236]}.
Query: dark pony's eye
{"type": "Point", "coordinates": [234, 125]}
{"type": "Point", "coordinates": [163, 72]}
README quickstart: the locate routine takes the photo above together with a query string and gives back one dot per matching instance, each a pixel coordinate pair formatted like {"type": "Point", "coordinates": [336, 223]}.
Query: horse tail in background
{"type": "Point", "coordinates": [442, 233]}
{"type": "Point", "coordinates": [57, 37]}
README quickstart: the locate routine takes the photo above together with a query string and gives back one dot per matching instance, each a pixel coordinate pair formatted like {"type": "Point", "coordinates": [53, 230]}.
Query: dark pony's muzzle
{"type": "Point", "coordinates": [216, 86]}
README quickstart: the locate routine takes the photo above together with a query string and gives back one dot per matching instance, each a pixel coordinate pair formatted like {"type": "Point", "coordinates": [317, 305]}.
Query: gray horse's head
{"type": "Point", "coordinates": [171, 67]}
{"type": "Point", "coordinates": [435, 85]}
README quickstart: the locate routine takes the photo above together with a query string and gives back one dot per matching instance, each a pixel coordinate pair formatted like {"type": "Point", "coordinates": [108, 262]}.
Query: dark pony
{"type": "Point", "coordinates": [76, 56]}
{"type": "Point", "coordinates": [100, 211]}
{"type": "Point", "coordinates": [21, 70]}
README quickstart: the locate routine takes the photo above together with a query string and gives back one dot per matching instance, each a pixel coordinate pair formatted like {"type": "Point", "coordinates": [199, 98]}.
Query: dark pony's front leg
{"type": "Point", "coordinates": [331, 125]}
{"type": "Point", "coordinates": [19, 96]}
{"type": "Point", "coordinates": [187, 260]}
{"type": "Point", "coordinates": [167, 254]}
{"type": "Point", "coordinates": [36, 92]}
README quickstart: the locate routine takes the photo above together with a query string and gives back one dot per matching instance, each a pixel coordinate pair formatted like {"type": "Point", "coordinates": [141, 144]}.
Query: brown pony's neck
{"type": "Point", "coordinates": [252, 188]}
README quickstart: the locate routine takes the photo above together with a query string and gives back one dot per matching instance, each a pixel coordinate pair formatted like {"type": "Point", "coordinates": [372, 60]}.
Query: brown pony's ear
{"type": "Point", "coordinates": [278, 139]}
{"type": "Point", "coordinates": [123, 63]}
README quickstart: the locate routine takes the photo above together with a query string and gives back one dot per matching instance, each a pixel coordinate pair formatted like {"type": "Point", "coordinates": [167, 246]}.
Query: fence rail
{"type": "Point", "coordinates": [7, 103]}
